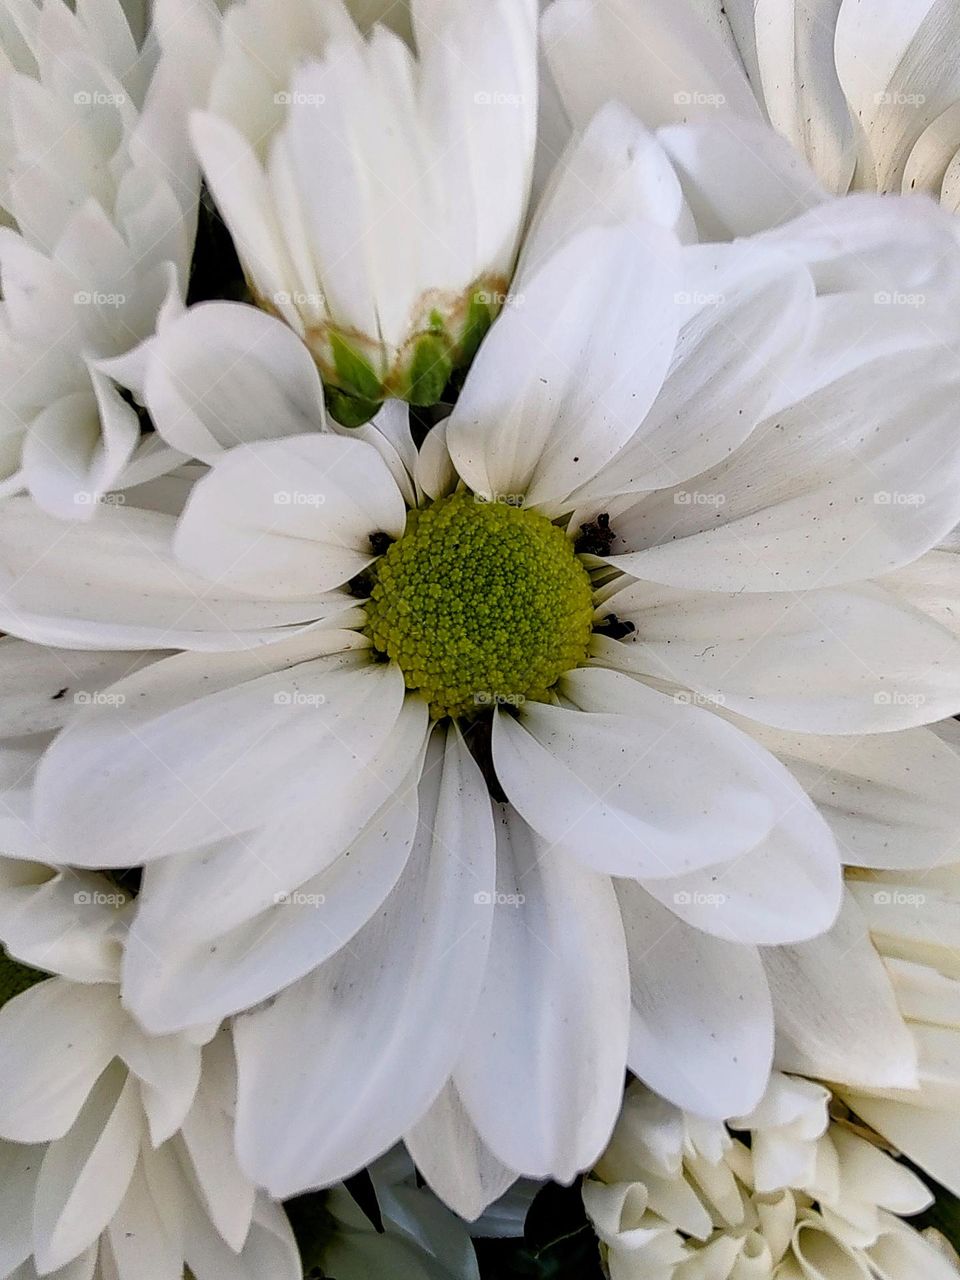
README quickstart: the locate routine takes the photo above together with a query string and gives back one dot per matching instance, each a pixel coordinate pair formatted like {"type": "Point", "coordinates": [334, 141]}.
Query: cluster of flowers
{"type": "Point", "coordinates": [479, 505]}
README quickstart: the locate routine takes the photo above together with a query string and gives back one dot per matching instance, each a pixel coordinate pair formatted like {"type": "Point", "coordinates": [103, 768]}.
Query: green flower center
{"type": "Point", "coordinates": [480, 603]}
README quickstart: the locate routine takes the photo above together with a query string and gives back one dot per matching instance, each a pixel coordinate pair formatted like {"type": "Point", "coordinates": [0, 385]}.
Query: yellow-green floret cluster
{"type": "Point", "coordinates": [480, 603]}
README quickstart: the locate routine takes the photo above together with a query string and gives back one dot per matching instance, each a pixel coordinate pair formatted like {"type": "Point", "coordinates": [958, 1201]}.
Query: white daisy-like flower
{"type": "Point", "coordinates": [374, 185]}
{"type": "Point", "coordinates": [867, 90]}
{"type": "Point", "coordinates": [97, 176]}
{"type": "Point", "coordinates": [116, 1147]}
{"type": "Point", "coordinates": [494, 810]}
{"type": "Point", "coordinates": [796, 1197]}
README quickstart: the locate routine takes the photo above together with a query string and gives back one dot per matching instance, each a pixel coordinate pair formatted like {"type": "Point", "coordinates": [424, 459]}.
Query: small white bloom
{"type": "Point", "coordinates": [116, 1147]}
{"type": "Point", "coordinates": [375, 194]}
{"type": "Point", "coordinates": [98, 180]}
{"type": "Point", "coordinates": [802, 1198]}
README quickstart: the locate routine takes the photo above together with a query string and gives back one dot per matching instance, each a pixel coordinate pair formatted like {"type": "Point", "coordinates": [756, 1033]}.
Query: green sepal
{"type": "Point", "coordinates": [16, 978]}
{"type": "Point", "coordinates": [347, 410]}
{"type": "Point", "coordinates": [354, 373]}
{"type": "Point", "coordinates": [479, 320]}
{"type": "Point", "coordinates": [429, 371]}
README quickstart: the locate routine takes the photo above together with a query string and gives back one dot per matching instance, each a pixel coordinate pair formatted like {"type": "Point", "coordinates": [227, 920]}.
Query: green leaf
{"type": "Point", "coordinates": [354, 372]}
{"type": "Point", "coordinates": [430, 370]}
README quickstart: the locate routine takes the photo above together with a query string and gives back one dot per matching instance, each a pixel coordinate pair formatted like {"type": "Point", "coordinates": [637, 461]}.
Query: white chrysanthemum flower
{"type": "Point", "coordinates": [375, 186]}
{"type": "Point", "coordinates": [796, 1197]}
{"type": "Point", "coordinates": [116, 1147]}
{"type": "Point", "coordinates": [538, 768]}
{"type": "Point", "coordinates": [97, 175]}
{"type": "Point", "coordinates": [867, 90]}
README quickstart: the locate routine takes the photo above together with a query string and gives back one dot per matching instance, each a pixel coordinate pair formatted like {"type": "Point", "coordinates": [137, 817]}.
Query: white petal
{"type": "Point", "coordinates": [570, 367]}
{"type": "Point", "coordinates": [739, 177]}
{"type": "Point", "coordinates": [168, 1068]}
{"type": "Point", "coordinates": [289, 519]}
{"type": "Point", "coordinates": [203, 750]}
{"type": "Point", "coordinates": [702, 1025]}
{"type": "Point", "coordinates": [225, 374]}
{"type": "Point", "coordinates": [85, 1175]}
{"type": "Point", "coordinates": [842, 660]}
{"type": "Point", "coordinates": [787, 889]}
{"type": "Point", "coordinates": [661, 62]}
{"type": "Point", "coordinates": [891, 799]}
{"type": "Point", "coordinates": [836, 1013]}
{"type": "Point", "coordinates": [66, 922]}
{"type": "Point", "coordinates": [637, 784]}
{"type": "Point", "coordinates": [746, 314]}
{"type": "Point", "coordinates": [184, 965]}
{"type": "Point", "coordinates": [453, 1157]}
{"type": "Point", "coordinates": [114, 583]}
{"type": "Point", "coordinates": [801, 89]}
{"type": "Point", "coordinates": [855, 480]}
{"type": "Point", "coordinates": [375, 1032]}
{"type": "Point", "coordinates": [242, 194]}
{"type": "Point", "coordinates": [896, 81]}
{"type": "Point", "coordinates": [227, 1195]}
{"type": "Point", "coordinates": [544, 1090]}
{"type": "Point", "coordinates": [55, 1040]}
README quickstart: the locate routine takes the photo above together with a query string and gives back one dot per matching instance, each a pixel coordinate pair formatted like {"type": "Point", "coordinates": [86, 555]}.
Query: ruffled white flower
{"type": "Point", "coordinates": [797, 1197]}
{"type": "Point", "coordinates": [97, 175]}
{"type": "Point", "coordinates": [375, 186]}
{"type": "Point", "coordinates": [620, 849]}
{"type": "Point", "coordinates": [867, 90]}
{"type": "Point", "coordinates": [116, 1147]}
